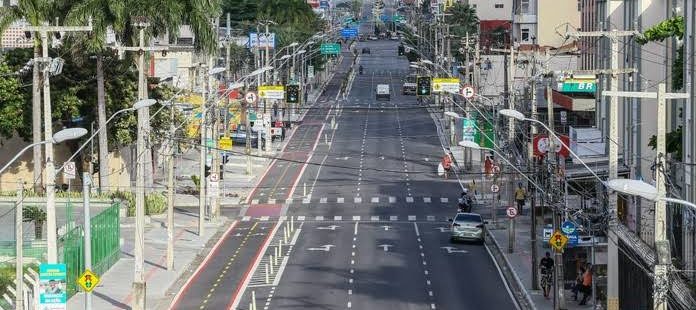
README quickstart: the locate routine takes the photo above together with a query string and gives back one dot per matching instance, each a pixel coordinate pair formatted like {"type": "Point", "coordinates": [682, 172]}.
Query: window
{"type": "Point", "coordinates": [498, 5]}
{"type": "Point", "coordinates": [524, 34]}
{"type": "Point", "coordinates": [524, 6]}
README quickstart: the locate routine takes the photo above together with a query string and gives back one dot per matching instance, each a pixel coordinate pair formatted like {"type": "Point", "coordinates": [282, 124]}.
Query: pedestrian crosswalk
{"type": "Point", "coordinates": [375, 200]}
{"type": "Point", "coordinates": [339, 218]}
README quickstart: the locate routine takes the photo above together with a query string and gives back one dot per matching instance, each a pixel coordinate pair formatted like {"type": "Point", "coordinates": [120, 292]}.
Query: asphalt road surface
{"type": "Point", "coordinates": [369, 213]}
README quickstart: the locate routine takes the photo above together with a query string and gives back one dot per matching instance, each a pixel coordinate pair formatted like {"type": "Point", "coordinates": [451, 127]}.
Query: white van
{"type": "Point", "coordinates": [382, 91]}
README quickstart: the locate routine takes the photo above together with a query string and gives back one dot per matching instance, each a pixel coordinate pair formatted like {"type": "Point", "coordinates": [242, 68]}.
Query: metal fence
{"type": "Point", "coordinates": [105, 246]}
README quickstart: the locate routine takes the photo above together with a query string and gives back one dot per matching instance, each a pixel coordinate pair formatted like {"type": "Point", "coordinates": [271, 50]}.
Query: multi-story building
{"type": "Point", "coordinates": [544, 22]}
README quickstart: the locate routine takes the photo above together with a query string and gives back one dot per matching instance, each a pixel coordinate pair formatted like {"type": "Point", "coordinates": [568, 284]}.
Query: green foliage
{"type": "Point", "coordinates": [196, 181]}
{"type": "Point", "coordinates": [462, 19]}
{"type": "Point", "coordinates": [15, 114]}
{"type": "Point", "coordinates": [7, 277]}
{"type": "Point", "coordinates": [155, 203]}
{"type": "Point", "coordinates": [673, 142]}
{"type": "Point", "coordinates": [38, 216]}
{"type": "Point", "coordinates": [670, 28]}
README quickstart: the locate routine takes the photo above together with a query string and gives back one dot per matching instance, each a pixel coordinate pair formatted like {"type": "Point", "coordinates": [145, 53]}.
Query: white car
{"type": "Point", "coordinates": [373, 38]}
{"type": "Point", "coordinates": [394, 38]}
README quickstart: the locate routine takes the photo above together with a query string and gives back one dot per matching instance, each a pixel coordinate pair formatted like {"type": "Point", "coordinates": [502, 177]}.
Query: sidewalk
{"type": "Point", "coordinates": [114, 290]}
{"type": "Point", "coordinates": [520, 262]}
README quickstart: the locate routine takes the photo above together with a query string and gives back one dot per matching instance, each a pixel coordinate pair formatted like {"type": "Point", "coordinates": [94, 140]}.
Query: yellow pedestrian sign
{"type": "Point", "coordinates": [225, 143]}
{"type": "Point", "coordinates": [558, 241]}
{"type": "Point", "coordinates": [88, 280]}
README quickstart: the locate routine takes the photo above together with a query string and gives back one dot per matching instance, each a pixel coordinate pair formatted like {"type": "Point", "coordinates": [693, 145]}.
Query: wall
{"type": "Point", "coordinates": [552, 17]}
{"type": "Point", "coordinates": [486, 10]}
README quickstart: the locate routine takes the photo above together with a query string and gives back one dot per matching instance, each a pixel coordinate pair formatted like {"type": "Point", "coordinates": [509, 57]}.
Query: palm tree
{"type": "Point", "coordinates": [33, 12]}
{"type": "Point", "coordinates": [105, 14]}
{"type": "Point", "coordinates": [462, 19]}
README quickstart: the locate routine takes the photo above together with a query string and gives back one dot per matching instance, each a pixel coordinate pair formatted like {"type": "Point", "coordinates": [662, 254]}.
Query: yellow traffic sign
{"type": "Point", "coordinates": [558, 240]}
{"type": "Point", "coordinates": [88, 280]}
{"type": "Point", "coordinates": [225, 143]}
{"type": "Point", "coordinates": [446, 84]}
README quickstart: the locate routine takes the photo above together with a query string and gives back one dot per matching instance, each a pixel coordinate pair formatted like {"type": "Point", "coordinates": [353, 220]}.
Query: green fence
{"type": "Point", "coordinates": [105, 246]}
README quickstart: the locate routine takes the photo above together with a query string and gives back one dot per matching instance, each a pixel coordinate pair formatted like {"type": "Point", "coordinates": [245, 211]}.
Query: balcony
{"type": "Point", "coordinates": [525, 18]}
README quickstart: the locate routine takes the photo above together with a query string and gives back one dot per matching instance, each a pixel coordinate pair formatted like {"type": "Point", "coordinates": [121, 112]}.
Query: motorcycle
{"type": "Point", "coordinates": [464, 204]}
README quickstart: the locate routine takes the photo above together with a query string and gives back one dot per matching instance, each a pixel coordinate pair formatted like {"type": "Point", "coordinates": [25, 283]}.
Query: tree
{"type": "Point", "coordinates": [14, 114]}
{"type": "Point", "coordinates": [463, 20]}
{"type": "Point", "coordinates": [670, 28]}
{"type": "Point", "coordinates": [33, 12]}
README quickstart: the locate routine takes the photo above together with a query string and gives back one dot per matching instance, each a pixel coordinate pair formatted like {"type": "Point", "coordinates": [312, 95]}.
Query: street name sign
{"type": "Point", "coordinates": [330, 49]}
{"type": "Point", "coordinates": [450, 85]}
{"type": "Point", "coordinates": [272, 92]}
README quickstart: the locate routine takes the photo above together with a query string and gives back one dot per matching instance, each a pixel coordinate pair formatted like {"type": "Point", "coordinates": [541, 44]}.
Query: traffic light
{"type": "Point", "coordinates": [401, 50]}
{"type": "Point", "coordinates": [424, 85]}
{"type": "Point", "coordinates": [292, 93]}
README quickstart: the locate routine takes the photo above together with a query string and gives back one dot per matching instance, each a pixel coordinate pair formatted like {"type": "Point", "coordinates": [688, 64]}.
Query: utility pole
{"type": "Point", "coordinates": [86, 182]}
{"type": "Point", "coordinates": [49, 172]}
{"type": "Point", "coordinates": [19, 248]}
{"type": "Point", "coordinates": [613, 251]}
{"type": "Point", "coordinates": [532, 163]}
{"type": "Point", "coordinates": [139, 285]}
{"type": "Point", "coordinates": [662, 244]}
{"type": "Point", "coordinates": [170, 194]}
{"type": "Point", "coordinates": [203, 128]}
{"type": "Point", "coordinates": [559, 289]}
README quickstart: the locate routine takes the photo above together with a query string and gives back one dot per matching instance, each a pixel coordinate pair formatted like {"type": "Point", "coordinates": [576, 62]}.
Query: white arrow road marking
{"type": "Point", "coordinates": [331, 227]}
{"type": "Point", "coordinates": [386, 227]}
{"type": "Point", "coordinates": [237, 235]}
{"type": "Point", "coordinates": [325, 248]}
{"type": "Point", "coordinates": [451, 249]}
{"type": "Point", "coordinates": [443, 229]}
{"type": "Point", "coordinates": [385, 247]}
{"type": "Point", "coordinates": [258, 234]}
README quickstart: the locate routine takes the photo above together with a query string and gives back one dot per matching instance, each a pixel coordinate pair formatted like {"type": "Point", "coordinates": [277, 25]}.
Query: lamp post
{"type": "Point", "coordinates": [58, 137]}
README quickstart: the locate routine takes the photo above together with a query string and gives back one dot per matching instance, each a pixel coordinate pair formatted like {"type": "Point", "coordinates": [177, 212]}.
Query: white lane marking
{"type": "Point", "coordinates": [374, 218]}
{"type": "Point", "coordinates": [430, 293]}
{"type": "Point", "coordinates": [393, 218]}
{"type": "Point", "coordinates": [283, 218]}
{"type": "Point", "coordinates": [305, 200]}
{"type": "Point", "coordinates": [246, 218]}
{"type": "Point", "coordinates": [357, 200]}
{"type": "Point", "coordinates": [415, 225]}
{"type": "Point", "coordinates": [411, 217]}
{"type": "Point", "coordinates": [392, 199]}
{"type": "Point", "coordinates": [254, 201]}
{"type": "Point", "coordinates": [356, 217]}
{"type": "Point", "coordinates": [288, 201]}
{"type": "Point", "coordinates": [323, 200]}
{"type": "Point", "coordinates": [375, 199]}
{"type": "Point", "coordinates": [355, 229]}
{"type": "Point", "coordinates": [427, 282]}
{"type": "Point", "coordinates": [409, 199]}
{"type": "Point", "coordinates": [430, 218]}
{"type": "Point", "coordinates": [338, 218]}
{"type": "Point", "coordinates": [350, 292]}
{"type": "Point", "coordinates": [301, 218]}
{"type": "Point", "coordinates": [349, 304]}
{"type": "Point", "coordinates": [319, 218]}
{"type": "Point", "coordinates": [264, 218]}
{"type": "Point", "coordinates": [339, 200]}
{"type": "Point", "coordinates": [426, 200]}
{"type": "Point", "coordinates": [432, 306]}
{"type": "Point", "coordinates": [444, 199]}
{"type": "Point", "coordinates": [271, 201]}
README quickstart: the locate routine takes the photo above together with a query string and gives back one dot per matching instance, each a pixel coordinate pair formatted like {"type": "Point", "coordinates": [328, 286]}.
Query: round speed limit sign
{"type": "Point", "coordinates": [495, 188]}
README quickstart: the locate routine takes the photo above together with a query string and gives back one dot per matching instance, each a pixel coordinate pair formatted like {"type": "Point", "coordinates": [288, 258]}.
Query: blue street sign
{"type": "Point", "coordinates": [570, 230]}
{"type": "Point", "coordinates": [349, 33]}
{"type": "Point", "coordinates": [324, 4]}
{"type": "Point", "coordinates": [385, 18]}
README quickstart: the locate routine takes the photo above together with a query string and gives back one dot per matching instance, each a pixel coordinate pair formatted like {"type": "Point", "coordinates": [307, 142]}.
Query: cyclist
{"type": "Point", "coordinates": [546, 267]}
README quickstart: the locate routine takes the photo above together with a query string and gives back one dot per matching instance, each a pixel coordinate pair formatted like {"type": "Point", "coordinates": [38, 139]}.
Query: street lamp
{"type": "Point", "coordinates": [145, 103]}
{"type": "Point", "coordinates": [58, 137]}
{"type": "Point", "coordinates": [643, 190]}
{"type": "Point", "coordinates": [216, 70]}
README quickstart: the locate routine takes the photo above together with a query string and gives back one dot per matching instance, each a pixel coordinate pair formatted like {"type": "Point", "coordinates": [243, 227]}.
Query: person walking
{"type": "Point", "coordinates": [577, 287]}
{"type": "Point", "coordinates": [446, 164]}
{"type": "Point", "coordinates": [520, 197]}
{"type": "Point", "coordinates": [586, 284]}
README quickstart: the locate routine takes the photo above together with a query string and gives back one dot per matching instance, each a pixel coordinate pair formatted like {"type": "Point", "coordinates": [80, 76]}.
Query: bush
{"type": "Point", "coordinates": [7, 276]}
{"type": "Point", "coordinates": [155, 203]}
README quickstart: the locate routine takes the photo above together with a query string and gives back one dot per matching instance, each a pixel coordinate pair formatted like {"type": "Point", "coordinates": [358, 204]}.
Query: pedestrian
{"type": "Point", "coordinates": [586, 284]}
{"type": "Point", "coordinates": [488, 166]}
{"type": "Point", "coordinates": [520, 197]}
{"type": "Point", "coordinates": [577, 287]}
{"type": "Point", "coordinates": [446, 164]}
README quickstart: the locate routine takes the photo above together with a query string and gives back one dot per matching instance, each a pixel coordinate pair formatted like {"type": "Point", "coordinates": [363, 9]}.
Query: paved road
{"type": "Point", "coordinates": [374, 185]}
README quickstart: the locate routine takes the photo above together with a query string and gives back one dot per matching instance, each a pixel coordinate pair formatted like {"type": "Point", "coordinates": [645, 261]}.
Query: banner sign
{"type": "Point", "coordinates": [446, 85]}
{"type": "Point", "coordinates": [52, 290]}
{"type": "Point", "coordinates": [261, 40]}
{"type": "Point", "coordinates": [272, 91]}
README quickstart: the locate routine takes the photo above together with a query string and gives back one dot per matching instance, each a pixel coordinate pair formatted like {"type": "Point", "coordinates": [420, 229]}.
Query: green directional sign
{"type": "Point", "coordinates": [398, 18]}
{"type": "Point", "coordinates": [330, 49]}
{"type": "Point", "coordinates": [571, 86]}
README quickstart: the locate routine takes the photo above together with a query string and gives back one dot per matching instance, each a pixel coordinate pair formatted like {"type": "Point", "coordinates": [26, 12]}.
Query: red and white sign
{"type": "Point", "coordinates": [468, 91]}
{"type": "Point", "coordinates": [511, 212]}
{"type": "Point", "coordinates": [251, 97]}
{"type": "Point", "coordinates": [313, 3]}
{"type": "Point", "coordinates": [541, 145]}
{"type": "Point", "coordinates": [495, 188]}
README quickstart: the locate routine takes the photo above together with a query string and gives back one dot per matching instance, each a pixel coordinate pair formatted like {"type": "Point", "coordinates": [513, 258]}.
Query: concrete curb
{"type": "Point", "coordinates": [522, 297]}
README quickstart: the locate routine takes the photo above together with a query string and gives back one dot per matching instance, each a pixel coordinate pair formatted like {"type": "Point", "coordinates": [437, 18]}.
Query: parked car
{"type": "Point", "coordinates": [394, 37]}
{"type": "Point", "coordinates": [373, 38]}
{"type": "Point", "coordinates": [365, 50]}
{"type": "Point", "coordinates": [467, 227]}
{"type": "Point", "coordinates": [239, 136]}
{"type": "Point", "coordinates": [382, 91]}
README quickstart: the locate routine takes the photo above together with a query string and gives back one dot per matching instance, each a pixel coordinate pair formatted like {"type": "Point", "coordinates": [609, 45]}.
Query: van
{"type": "Point", "coordinates": [382, 91]}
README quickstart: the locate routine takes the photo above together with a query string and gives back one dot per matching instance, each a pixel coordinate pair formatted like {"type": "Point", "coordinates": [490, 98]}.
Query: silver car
{"type": "Point", "coordinates": [467, 227]}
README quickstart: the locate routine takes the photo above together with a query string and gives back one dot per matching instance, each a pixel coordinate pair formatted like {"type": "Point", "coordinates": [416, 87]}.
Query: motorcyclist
{"type": "Point", "coordinates": [465, 202]}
